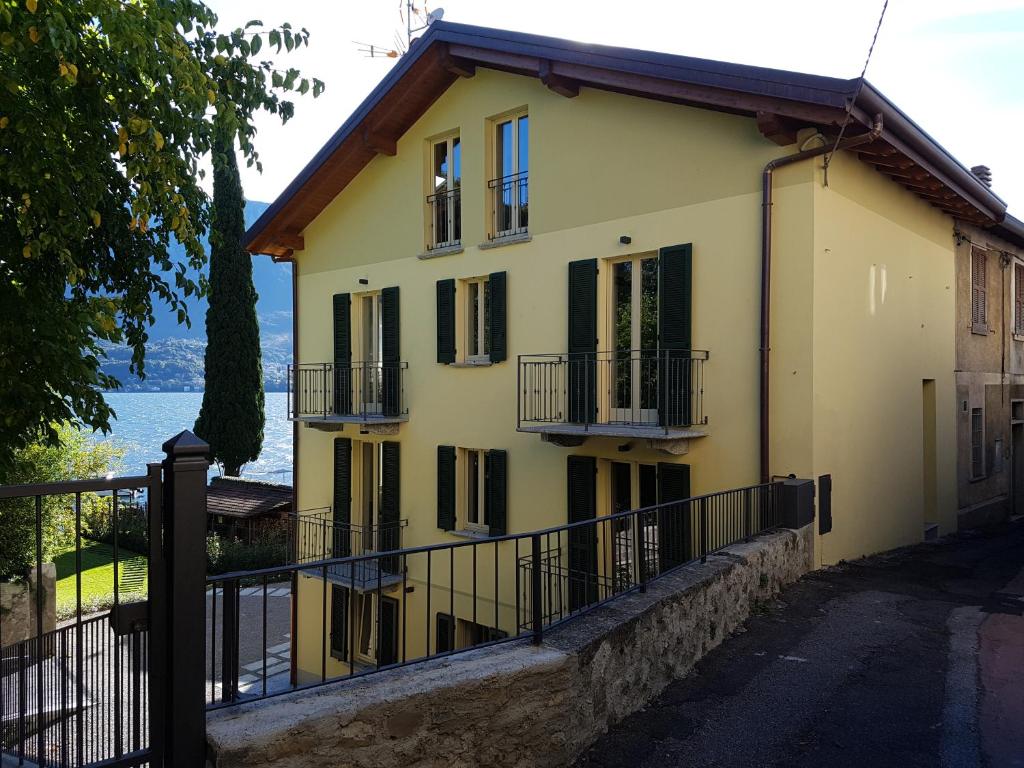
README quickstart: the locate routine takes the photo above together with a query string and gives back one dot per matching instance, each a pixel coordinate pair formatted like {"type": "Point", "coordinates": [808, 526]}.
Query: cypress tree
{"type": "Point", "coordinates": [231, 418]}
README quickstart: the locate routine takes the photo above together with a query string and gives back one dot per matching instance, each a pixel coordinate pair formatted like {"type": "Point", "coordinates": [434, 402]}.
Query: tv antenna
{"type": "Point", "coordinates": [416, 19]}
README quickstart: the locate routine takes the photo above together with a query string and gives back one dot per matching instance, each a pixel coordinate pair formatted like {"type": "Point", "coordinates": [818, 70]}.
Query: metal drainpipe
{"type": "Point", "coordinates": [766, 267]}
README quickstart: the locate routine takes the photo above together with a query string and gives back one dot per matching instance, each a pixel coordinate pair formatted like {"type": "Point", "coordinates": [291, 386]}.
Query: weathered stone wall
{"type": "Point", "coordinates": [18, 605]}
{"type": "Point", "coordinates": [517, 704]}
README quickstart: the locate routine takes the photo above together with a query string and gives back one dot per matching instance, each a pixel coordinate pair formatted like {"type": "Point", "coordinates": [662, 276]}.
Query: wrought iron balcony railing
{"type": "Point", "coordinates": [360, 391]}
{"type": "Point", "coordinates": [650, 388]}
{"type": "Point", "coordinates": [510, 205]}
{"type": "Point", "coordinates": [316, 535]}
{"type": "Point", "coordinates": [445, 210]}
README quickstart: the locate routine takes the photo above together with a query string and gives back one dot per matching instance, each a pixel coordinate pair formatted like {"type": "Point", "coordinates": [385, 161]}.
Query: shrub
{"type": "Point", "coordinates": [73, 458]}
{"type": "Point", "coordinates": [268, 549]}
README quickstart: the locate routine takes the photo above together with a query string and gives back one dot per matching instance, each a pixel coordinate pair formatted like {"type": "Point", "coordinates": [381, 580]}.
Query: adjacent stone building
{"type": "Point", "coordinates": [989, 372]}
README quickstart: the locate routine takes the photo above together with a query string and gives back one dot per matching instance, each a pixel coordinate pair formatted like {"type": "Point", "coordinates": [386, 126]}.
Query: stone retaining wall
{"type": "Point", "coordinates": [517, 704]}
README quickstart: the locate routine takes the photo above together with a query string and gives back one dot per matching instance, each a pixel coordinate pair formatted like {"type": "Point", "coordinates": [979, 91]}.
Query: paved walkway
{"type": "Point", "coordinates": [910, 659]}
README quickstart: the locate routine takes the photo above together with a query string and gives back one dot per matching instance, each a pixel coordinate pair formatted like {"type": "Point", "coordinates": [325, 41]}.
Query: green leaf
{"type": "Point", "coordinates": [255, 45]}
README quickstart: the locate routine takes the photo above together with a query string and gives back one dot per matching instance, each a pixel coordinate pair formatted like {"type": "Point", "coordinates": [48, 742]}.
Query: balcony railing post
{"type": "Point", "coordinates": [640, 554]}
{"type": "Point", "coordinates": [324, 395]}
{"type": "Point", "coordinates": [704, 530]}
{"type": "Point", "coordinates": [536, 608]}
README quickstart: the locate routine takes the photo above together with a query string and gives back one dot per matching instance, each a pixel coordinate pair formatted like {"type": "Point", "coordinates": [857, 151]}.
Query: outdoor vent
{"type": "Point", "coordinates": [984, 174]}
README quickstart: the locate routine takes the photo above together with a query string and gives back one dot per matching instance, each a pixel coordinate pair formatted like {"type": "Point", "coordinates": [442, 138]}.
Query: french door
{"type": "Point", "coordinates": [371, 353]}
{"type": "Point", "coordinates": [633, 374]}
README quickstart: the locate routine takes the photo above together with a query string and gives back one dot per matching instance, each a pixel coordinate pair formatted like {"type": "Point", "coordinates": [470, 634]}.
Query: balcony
{"type": "Point", "coordinates": [654, 395]}
{"type": "Point", "coordinates": [315, 536]}
{"type": "Point", "coordinates": [330, 395]}
{"type": "Point", "coordinates": [510, 207]}
{"type": "Point", "coordinates": [445, 212]}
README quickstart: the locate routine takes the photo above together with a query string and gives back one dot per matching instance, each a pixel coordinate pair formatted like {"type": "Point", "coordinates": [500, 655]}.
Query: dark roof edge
{"type": "Point", "coordinates": [1011, 228]}
{"type": "Point", "coordinates": [896, 121]}
{"type": "Point", "coordinates": [813, 89]}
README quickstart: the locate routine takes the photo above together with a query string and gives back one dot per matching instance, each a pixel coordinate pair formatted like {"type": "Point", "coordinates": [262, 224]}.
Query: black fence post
{"type": "Point", "coordinates": [229, 641]}
{"type": "Point", "coordinates": [704, 530]}
{"type": "Point", "coordinates": [184, 510]}
{"type": "Point", "coordinates": [535, 594]}
{"type": "Point", "coordinates": [639, 549]}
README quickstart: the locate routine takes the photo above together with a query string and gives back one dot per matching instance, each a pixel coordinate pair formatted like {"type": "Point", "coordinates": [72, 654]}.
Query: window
{"type": "Point", "coordinates": [339, 622]}
{"type": "Point", "coordinates": [470, 633]}
{"type": "Point", "coordinates": [364, 621]}
{"type": "Point", "coordinates": [445, 633]}
{"type": "Point", "coordinates": [977, 443]}
{"type": "Point", "coordinates": [472, 490]}
{"type": "Point", "coordinates": [997, 456]}
{"type": "Point", "coordinates": [979, 313]}
{"type": "Point", "coordinates": [1018, 298]}
{"type": "Point", "coordinates": [444, 202]}
{"type": "Point", "coordinates": [510, 185]}
{"type": "Point", "coordinates": [478, 319]}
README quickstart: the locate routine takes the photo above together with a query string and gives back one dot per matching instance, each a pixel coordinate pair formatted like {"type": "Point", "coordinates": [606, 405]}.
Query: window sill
{"type": "Point", "coordinates": [448, 250]}
{"type": "Point", "coordinates": [471, 364]}
{"type": "Point", "coordinates": [979, 330]}
{"type": "Point", "coordinates": [497, 242]}
{"type": "Point", "coordinates": [1018, 337]}
{"type": "Point", "coordinates": [978, 479]}
{"type": "Point", "coordinates": [464, 533]}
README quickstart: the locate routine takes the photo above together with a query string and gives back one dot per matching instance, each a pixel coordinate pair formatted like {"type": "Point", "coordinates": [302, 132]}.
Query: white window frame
{"type": "Point", "coordinates": [496, 124]}
{"type": "Point", "coordinates": [476, 321]}
{"type": "Point", "coordinates": [451, 183]}
{"type": "Point", "coordinates": [482, 524]}
{"type": "Point", "coordinates": [367, 352]}
{"type": "Point", "coordinates": [359, 602]}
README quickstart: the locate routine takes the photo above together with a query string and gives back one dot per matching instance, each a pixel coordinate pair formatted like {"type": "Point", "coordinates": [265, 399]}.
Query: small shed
{"type": "Point", "coordinates": [240, 508]}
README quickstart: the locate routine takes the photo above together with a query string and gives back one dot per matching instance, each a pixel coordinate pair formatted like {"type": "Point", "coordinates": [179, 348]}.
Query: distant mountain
{"type": "Point", "coordinates": [174, 353]}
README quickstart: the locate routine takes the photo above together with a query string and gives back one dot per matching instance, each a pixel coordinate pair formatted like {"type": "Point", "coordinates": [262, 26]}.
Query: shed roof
{"type": "Point", "coordinates": [781, 101]}
{"type": "Point", "coordinates": [237, 497]}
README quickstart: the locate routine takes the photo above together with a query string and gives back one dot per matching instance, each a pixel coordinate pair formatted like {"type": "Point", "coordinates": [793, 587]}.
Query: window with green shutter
{"type": "Point", "coordinates": [675, 521]}
{"type": "Point", "coordinates": [497, 299]}
{"type": "Point", "coordinates": [342, 379]}
{"type": "Point", "coordinates": [445, 640]}
{"type": "Point", "coordinates": [581, 484]}
{"type": "Point", "coordinates": [675, 299]}
{"type": "Point", "coordinates": [390, 351]}
{"type": "Point", "coordinates": [341, 544]}
{"type": "Point", "coordinates": [496, 491]}
{"type": "Point", "coordinates": [339, 622]}
{"type": "Point", "coordinates": [582, 374]}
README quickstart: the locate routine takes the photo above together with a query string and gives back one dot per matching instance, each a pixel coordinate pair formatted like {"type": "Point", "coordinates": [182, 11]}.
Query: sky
{"type": "Point", "coordinates": [955, 66]}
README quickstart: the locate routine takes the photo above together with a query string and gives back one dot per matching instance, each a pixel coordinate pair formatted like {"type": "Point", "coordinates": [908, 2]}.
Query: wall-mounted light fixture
{"type": "Point", "coordinates": [625, 239]}
{"type": "Point", "coordinates": [364, 281]}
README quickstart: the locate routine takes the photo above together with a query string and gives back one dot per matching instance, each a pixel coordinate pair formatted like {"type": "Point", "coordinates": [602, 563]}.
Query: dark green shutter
{"type": "Point", "coordinates": [341, 544]}
{"type": "Point", "coordinates": [390, 352]}
{"type": "Point", "coordinates": [675, 299]}
{"type": "Point", "coordinates": [496, 471]}
{"type": "Point", "coordinates": [341, 382]}
{"type": "Point", "coordinates": [390, 502]}
{"type": "Point", "coordinates": [446, 487]}
{"type": "Point", "coordinates": [387, 640]}
{"type": "Point", "coordinates": [446, 321]}
{"type": "Point", "coordinates": [675, 521]}
{"type": "Point", "coordinates": [497, 305]}
{"type": "Point", "coordinates": [582, 373]}
{"type": "Point", "coordinates": [445, 640]}
{"type": "Point", "coordinates": [339, 622]}
{"type": "Point", "coordinates": [581, 481]}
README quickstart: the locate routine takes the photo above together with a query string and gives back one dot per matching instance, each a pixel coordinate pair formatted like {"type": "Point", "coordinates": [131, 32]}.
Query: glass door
{"type": "Point", "coordinates": [371, 354]}
{"type": "Point", "coordinates": [633, 378]}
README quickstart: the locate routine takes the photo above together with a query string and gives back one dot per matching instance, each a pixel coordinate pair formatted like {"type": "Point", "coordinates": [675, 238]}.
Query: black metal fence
{"type": "Point", "coordinates": [631, 387]}
{"type": "Point", "coordinates": [316, 535]}
{"type": "Point", "coordinates": [510, 205]}
{"type": "Point", "coordinates": [366, 391]}
{"type": "Point", "coordinates": [359, 614]}
{"type": "Point", "coordinates": [117, 684]}
{"type": "Point", "coordinates": [445, 215]}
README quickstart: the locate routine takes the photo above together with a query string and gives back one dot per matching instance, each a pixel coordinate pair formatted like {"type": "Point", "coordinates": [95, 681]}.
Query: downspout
{"type": "Point", "coordinates": [295, 449]}
{"type": "Point", "coordinates": [766, 267]}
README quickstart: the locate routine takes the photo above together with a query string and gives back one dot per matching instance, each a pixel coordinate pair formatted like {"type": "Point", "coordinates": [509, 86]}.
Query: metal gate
{"type": "Point", "coordinates": [85, 634]}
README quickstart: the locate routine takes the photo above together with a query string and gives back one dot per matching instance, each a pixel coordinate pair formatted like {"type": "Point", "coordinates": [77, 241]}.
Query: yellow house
{"type": "Point", "coordinates": [538, 282]}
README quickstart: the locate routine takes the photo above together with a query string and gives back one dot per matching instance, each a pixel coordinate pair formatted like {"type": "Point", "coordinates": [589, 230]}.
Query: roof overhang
{"type": "Point", "coordinates": [780, 101]}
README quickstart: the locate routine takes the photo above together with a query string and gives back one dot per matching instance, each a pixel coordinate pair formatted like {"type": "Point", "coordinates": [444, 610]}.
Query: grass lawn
{"type": "Point", "coordinates": [98, 577]}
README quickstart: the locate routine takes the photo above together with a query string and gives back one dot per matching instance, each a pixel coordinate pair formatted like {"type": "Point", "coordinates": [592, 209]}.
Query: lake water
{"type": "Point", "coordinates": [146, 419]}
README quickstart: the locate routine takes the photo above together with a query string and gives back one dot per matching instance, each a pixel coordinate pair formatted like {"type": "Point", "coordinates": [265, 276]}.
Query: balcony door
{"type": "Point", "coordinates": [369, 495]}
{"type": "Point", "coordinates": [633, 373]}
{"type": "Point", "coordinates": [371, 353]}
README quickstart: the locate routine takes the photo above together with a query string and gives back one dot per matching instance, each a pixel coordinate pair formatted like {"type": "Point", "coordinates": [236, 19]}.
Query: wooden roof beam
{"type": "Point", "coordinates": [457, 65]}
{"type": "Point", "coordinates": [563, 86]}
{"type": "Point", "coordinates": [777, 128]}
{"type": "Point", "coordinates": [290, 241]}
{"type": "Point", "coordinates": [379, 143]}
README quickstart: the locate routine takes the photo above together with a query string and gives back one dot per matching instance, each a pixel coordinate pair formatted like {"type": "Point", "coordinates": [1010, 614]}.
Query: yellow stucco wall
{"type": "Point", "coordinates": [846, 383]}
{"type": "Point", "coordinates": [884, 300]}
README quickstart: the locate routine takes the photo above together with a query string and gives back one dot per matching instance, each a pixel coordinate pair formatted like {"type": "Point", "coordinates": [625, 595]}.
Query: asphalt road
{"type": "Point", "coordinates": [914, 658]}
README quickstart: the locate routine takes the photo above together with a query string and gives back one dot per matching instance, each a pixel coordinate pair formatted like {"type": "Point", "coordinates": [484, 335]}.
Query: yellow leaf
{"type": "Point", "coordinates": [33, 34]}
{"type": "Point", "coordinates": [31, 5]}
{"type": "Point", "coordinates": [122, 133]}
{"type": "Point", "coordinates": [211, 97]}
{"type": "Point", "coordinates": [158, 140]}
{"type": "Point", "coordinates": [123, 149]}
{"type": "Point", "coordinates": [95, 218]}
{"type": "Point", "coordinates": [63, 70]}
{"type": "Point", "coordinates": [26, 251]}
{"type": "Point", "coordinates": [4, 121]}
{"type": "Point", "coordinates": [175, 223]}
